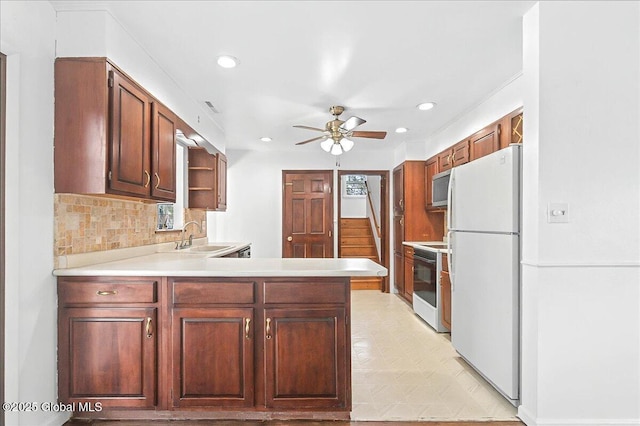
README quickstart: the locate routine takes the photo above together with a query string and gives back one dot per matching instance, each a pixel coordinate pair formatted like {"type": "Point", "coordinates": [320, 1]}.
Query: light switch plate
{"type": "Point", "coordinates": [558, 212]}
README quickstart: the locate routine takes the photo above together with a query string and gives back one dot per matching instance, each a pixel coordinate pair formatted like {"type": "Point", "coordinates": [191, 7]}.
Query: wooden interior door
{"type": "Point", "coordinates": [307, 213]}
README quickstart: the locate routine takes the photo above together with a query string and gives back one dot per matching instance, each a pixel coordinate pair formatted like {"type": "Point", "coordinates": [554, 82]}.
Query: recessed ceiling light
{"type": "Point", "coordinates": [266, 139]}
{"type": "Point", "coordinates": [226, 61]}
{"type": "Point", "coordinates": [426, 106]}
{"type": "Point", "coordinates": [402, 130]}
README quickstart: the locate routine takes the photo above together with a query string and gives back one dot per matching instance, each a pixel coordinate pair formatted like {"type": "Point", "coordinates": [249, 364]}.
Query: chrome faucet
{"type": "Point", "coordinates": [182, 244]}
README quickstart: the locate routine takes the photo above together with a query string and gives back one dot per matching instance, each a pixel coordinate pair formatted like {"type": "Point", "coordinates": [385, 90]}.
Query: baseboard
{"type": "Point", "coordinates": [530, 420]}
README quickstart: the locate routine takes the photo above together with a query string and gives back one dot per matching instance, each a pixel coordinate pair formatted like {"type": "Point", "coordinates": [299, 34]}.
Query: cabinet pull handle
{"type": "Point", "coordinates": [148, 328]}
{"type": "Point", "coordinates": [247, 321]}
{"type": "Point", "coordinates": [453, 158]}
{"type": "Point", "coordinates": [106, 293]}
{"type": "Point", "coordinates": [148, 178]}
{"type": "Point", "coordinates": [401, 203]}
{"type": "Point", "coordinates": [268, 328]}
{"type": "Point", "coordinates": [157, 177]}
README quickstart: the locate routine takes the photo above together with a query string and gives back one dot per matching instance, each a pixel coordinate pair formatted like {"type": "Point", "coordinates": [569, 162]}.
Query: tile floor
{"type": "Point", "coordinates": [404, 371]}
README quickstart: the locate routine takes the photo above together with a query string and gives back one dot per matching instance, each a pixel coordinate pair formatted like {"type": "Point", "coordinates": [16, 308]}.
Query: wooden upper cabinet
{"type": "Point", "coordinates": [163, 153]}
{"type": "Point", "coordinates": [111, 136]}
{"type": "Point", "coordinates": [511, 128]}
{"type": "Point", "coordinates": [207, 180]}
{"type": "Point", "coordinates": [221, 182]}
{"type": "Point", "coordinates": [460, 153]}
{"type": "Point", "coordinates": [485, 141]}
{"type": "Point", "coordinates": [454, 156]}
{"type": "Point", "coordinates": [398, 190]}
{"type": "Point", "coordinates": [130, 170]}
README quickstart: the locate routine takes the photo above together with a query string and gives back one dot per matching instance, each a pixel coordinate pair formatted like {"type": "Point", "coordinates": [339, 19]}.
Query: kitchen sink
{"type": "Point", "coordinates": [209, 248]}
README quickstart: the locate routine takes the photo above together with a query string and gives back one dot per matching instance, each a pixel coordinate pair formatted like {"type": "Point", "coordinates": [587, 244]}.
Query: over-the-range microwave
{"type": "Point", "coordinates": [441, 188]}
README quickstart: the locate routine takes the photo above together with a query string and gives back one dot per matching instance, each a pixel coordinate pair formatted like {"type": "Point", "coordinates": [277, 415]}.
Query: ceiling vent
{"type": "Point", "coordinates": [211, 107]}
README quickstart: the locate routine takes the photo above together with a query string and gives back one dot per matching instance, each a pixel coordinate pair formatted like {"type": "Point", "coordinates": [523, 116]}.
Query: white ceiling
{"type": "Point", "coordinates": [297, 58]}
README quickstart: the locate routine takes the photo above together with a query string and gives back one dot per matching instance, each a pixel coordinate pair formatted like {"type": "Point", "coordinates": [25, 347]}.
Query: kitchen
{"type": "Point", "coordinates": [587, 251]}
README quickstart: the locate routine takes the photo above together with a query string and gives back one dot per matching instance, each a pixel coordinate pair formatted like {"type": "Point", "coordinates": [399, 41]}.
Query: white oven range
{"type": "Point", "coordinates": [427, 298]}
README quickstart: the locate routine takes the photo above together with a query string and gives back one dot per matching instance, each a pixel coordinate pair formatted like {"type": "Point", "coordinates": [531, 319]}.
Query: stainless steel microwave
{"type": "Point", "coordinates": [441, 188]}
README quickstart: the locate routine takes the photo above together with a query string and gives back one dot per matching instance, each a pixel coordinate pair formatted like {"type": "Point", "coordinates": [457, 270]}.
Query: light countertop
{"type": "Point", "coordinates": [163, 260]}
{"type": "Point", "coordinates": [177, 264]}
{"type": "Point", "coordinates": [424, 245]}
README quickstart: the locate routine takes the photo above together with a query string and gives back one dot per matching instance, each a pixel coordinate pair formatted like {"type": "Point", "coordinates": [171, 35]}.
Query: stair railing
{"type": "Point", "coordinates": [373, 211]}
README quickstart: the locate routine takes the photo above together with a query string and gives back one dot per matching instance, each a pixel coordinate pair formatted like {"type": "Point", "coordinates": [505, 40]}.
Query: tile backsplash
{"type": "Point", "coordinates": [86, 224]}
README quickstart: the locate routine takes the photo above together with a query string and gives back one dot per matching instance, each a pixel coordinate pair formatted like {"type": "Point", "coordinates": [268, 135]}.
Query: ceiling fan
{"type": "Point", "coordinates": [337, 133]}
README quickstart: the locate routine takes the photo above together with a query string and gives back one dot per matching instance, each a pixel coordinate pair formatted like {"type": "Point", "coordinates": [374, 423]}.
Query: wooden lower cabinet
{"type": "Point", "coordinates": [244, 348]}
{"type": "Point", "coordinates": [305, 353]}
{"type": "Point", "coordinates": [212, 357]}
{"type": "Point", "coordinates": [445, 291]}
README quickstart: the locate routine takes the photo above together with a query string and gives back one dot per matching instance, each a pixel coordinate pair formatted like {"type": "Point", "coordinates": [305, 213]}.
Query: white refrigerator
{"type": "Point", "coordinates": [484, 245]}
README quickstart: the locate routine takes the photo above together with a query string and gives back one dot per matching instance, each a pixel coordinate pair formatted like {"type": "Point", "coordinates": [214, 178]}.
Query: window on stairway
{"type": "Point", "coordinates": [355, 186]}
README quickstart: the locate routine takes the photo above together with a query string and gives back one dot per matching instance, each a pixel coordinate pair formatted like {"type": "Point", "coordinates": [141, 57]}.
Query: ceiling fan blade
{"type": "Point", "coordinates": [311, 140]}
{"type": "Point", "coordinates": [310, 128]}
{"type": "Point", "coordinates": [352, 123]}
{"type": "Point", "coordinates": [368, 134]}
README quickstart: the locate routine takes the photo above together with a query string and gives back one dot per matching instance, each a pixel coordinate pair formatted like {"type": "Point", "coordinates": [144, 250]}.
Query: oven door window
{"type": "Point", "coordinates": [424, 280]}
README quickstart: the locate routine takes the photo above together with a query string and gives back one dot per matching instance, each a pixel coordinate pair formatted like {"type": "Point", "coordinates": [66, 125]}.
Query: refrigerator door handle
{"type": "Point", "coordinates": [450, 199]}
{"type": "Point", "coordinates": [450, 259]}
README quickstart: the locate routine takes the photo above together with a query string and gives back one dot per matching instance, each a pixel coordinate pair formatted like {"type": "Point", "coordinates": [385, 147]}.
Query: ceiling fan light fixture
{"type": "Point", "coordinates": [327, 144]}
{"type": "Point", "coordinates": [346, 144]}
{"type": "Point", "coordinates": [226, 61]}
{"type": "Point", "coordinates": [336, 149]}
{"type": "Point", "coordinates": [426, 106]}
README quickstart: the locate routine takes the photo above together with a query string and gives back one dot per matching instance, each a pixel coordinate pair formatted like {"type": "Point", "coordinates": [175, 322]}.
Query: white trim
{"type": "Point", "coordinates": [543, 264]}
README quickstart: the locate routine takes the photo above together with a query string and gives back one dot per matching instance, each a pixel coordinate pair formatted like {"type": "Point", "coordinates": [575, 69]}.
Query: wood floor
{"type": "Point", "coordinates": [279, 423]}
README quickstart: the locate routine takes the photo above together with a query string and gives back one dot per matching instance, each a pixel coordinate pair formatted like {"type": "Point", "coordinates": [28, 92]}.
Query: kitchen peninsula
{"type": "Point", "coordinates": [172, 335]}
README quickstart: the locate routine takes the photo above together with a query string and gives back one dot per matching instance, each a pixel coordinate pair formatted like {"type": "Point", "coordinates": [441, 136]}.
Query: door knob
{"type": "Point", "coordinates": [289, 238]}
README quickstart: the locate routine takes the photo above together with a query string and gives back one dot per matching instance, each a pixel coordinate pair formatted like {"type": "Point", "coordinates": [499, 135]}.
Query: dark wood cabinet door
{"type": "Point", "coordinates": [485, 141]}
{"type": "Point", "coordinates": [430, 169]}
{"type": "Point", "coordinates": [408, 274]}
{"type": "Point", "coordinates": [163, 153]}
{"type": "Point", "coordinates": [444, 160]}
{"type": "Point", "coordinates": [108, 355]}
{"type": "Point", "coordinates": [130, 171]}
{"type": "Point", "coordinates": [213, 357]}
{"type": "Point", "coordinates": [221, 186]}
{"type": "Point", "coordinates": [398, 190]}
{"type": "Point", "coordinates": [460, 153]}
{"type": "Point", "coordinates": [306, 358]}
{"type": "Point", "coordinates": [398, 272]}
{"type": "Point", "coordinates": [445, 294]}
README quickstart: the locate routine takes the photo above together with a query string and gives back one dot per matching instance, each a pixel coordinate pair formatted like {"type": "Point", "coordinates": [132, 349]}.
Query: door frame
{"type": "Point", "coordinates": [329, 207]}
{"type": "Point", "coordinates": [384, 215]}
{"type": "Point", "coordinates": [3, 122]}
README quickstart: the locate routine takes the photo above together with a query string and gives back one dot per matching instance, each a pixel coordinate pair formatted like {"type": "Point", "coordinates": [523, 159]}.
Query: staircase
{"type": "Point", "coordinates": [356, 240]}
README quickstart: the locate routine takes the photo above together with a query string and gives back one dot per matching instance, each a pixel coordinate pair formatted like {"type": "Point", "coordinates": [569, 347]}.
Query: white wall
{"type": "Point", "coordinates": [254, 194]}
{"type": "Point", "coordinates": [27, 31]}
{"type": "Point", "coordinates": [581, 280]}
{"type": "Point", "coordinates": [97, 33]}
{"type": "Point", "coordinates": [352, 206]}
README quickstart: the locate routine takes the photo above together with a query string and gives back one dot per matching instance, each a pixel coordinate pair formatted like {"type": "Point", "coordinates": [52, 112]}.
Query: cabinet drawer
{"type": "Point", "coordinates": [100, 290]}
{"type": "Point", "coordinates": [306, 292]}
{"type": "Point", "coordinates": [207, 292]}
